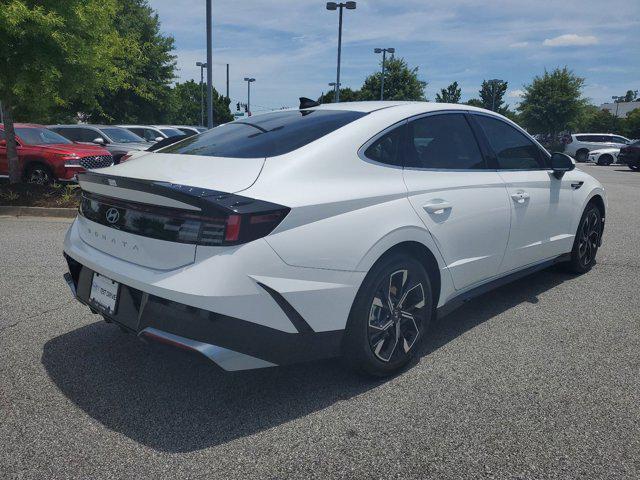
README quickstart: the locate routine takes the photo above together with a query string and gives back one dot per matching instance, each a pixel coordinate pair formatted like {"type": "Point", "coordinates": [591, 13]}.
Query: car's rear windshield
{"type": "Point", "coordinates": [265, 135]}
{"type": "Point", "coordinates": [39, 136]}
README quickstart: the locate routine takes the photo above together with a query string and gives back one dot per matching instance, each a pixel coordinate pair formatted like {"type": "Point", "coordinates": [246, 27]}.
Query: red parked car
{"type": "Point", "coordinates": [45, 156]}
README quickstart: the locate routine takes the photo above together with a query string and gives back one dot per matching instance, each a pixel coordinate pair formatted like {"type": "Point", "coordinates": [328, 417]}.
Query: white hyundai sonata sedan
{"type": "Point", "coordinates": [336, 230]}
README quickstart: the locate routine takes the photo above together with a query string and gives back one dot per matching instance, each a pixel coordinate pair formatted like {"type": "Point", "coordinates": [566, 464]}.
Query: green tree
{"type": "Point", "coordinates": [185, 105]}
{"type": "Point", "coordinates": [346, 95]}
{"type": "Point", "coordinates": [54, 53]}
{"type": "Point", "coordinates": [475, 102]}
{"type": "Point", "coordinates": [593, 119]}
{"type": "Point", "coordinates": [630, 96]}
{"type": "Point", "coordinates": [492, 93]}
{"type": "Point", "coordinates": [631, 124]}
{"type": "Point", "coordinates": [145, 95]}
{"type": "Point", "coordinates": [400, 83]}
{"type": "Point", "coordinates": [552, 102]}
{"type": "Point", "coordinates": [451, 94]}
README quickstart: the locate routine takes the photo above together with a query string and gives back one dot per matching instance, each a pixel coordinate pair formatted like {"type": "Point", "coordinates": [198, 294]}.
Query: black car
{"type": "Point", "coordinates": [630, 155]}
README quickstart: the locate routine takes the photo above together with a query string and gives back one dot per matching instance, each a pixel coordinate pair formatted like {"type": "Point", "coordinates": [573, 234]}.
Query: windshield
{"type": "Point", "coordinates": [39, 136]}
{"type": "Point", "coordinates": [122, 135]}
{"type": "Point", "coordinates": [266, 135]}
{"type": "Point", "coordinates": [171, 132]}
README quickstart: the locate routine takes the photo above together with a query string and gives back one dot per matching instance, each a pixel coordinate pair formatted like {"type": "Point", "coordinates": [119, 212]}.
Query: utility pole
{"type": "Point", "coordinates": [249, 81]}
{"type": "Point", "coordinates": [384, 56]}
{"type": "Point", "coordinates": [209, 67]}
{"type": "Point", "coordinates": [339, 7]}
{"type": "Point", "coordinates": [202, 67]}
{"type": "Point", "coordinates": [227, 81]}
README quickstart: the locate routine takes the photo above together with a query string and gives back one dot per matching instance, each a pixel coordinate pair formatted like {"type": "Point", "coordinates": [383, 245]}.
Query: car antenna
{"type": "Point", "coordinates": [307, 103]}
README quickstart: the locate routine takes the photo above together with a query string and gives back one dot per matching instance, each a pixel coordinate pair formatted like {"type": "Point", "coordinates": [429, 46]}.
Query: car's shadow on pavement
{"type": "Point", "coordinates": [176, 402]}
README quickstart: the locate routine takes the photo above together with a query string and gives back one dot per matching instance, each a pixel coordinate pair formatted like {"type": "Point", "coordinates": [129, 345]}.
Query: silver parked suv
{"type": "Point", "coordinates": [580, 144]}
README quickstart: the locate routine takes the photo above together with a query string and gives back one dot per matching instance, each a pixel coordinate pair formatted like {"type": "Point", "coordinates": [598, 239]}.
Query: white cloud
{"type": "Point", "coordinates": [570, 39]}
{"type": "Point", "coordinates": [515, 93]}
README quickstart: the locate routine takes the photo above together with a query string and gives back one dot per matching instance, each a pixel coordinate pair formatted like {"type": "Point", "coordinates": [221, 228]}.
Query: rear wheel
{"type": "Point", "coordinates": [389, 316]}
{"type": "Point", "coordinates": [605, 159]}
{"type": "Point", "coordinates": [582, 155]}
{"type": "Point", "coordinates": [587, 241]}
{"type": "Point", "coordinates": [38, 174]}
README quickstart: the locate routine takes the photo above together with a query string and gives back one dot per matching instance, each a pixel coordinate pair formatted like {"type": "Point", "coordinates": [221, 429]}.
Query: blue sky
{"type": "Point", "coordinates": [290, 46]}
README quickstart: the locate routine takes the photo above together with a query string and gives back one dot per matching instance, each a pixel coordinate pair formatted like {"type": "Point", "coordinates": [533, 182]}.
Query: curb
{"type": "Point", "coordinates": [16, 211]}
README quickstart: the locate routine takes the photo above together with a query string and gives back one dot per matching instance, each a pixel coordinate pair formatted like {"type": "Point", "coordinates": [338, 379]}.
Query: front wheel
{"type": "Point", "coordinates": [582, 156]}
{"type": "Point", "coordinates": [635, 168]}
{"type": "Point", "coordinates": [389, 316]}
{"type": "Point", "coordinates": [38, 174]}
{"type": "Point", "coordinates": [587, 241]}
{"type": "Point", "coordinates": [605, 160]}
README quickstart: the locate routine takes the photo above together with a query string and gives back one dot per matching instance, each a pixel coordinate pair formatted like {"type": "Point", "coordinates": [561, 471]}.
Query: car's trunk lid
{"type": "Point", "coordinates": [214, 173]}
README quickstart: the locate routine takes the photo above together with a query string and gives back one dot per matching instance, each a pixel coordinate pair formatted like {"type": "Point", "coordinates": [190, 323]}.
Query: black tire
{"type": "Point", "coordinates": [587, 241]}
{"type": "Point", "coordinates": [582, 155]}
{"type": "Point", "coordinates": [38, 173]}
{"type": "Point", "coordinates": [635, 168]}
{"type": "Point", "coordinates": [605, 159]}
{"type": "Point", "coordinates": [383, 330]}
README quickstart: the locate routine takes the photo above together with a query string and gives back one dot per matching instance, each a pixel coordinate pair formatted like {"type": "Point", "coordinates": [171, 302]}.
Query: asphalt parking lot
{"type": "Point", "coordinates": [539, 379]}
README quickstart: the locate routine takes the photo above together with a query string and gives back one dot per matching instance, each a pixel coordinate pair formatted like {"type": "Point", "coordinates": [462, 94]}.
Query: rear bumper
{"type": "Point", "coordinates": [232, 343]}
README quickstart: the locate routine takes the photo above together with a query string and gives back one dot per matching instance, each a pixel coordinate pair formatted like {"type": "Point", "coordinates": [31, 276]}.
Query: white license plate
{"type": "Point", "coordinates": [104, 293]}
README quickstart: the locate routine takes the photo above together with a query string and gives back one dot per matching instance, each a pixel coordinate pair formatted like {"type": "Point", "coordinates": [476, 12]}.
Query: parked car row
{"type": "Point", "coordinates": [601, 148]}
{"type": "Point", "coordinates": [59, 152]}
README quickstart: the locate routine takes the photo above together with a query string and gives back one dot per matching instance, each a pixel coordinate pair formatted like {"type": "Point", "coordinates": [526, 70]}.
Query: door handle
{"type": "Point", "coordinates": [520, 197]}
{"type": "Point", "coordinates": [437, 208]}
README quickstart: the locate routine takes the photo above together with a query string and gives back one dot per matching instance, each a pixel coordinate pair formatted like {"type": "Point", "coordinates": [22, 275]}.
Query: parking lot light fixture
{"type": "Point", "coordinates": [384, 57]}
{"type": "Point", "coordinates": [249, 81]}
{"type": "Point", "coordinates": [339, 7]}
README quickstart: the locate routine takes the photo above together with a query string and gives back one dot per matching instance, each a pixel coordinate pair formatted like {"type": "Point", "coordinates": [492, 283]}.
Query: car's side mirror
{"type": "Point", "coordinates": [99, 141]}
{"type": "Point", "coordinates": [561, 163]}
{"type": "Point", "coordinates": [159, 139]}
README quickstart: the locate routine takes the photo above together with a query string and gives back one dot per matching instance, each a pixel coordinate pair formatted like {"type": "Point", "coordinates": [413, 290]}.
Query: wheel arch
{"type": "Point", "coordinates": [412, 241]}
{"type": "Point", "coordinates": [33, 161]}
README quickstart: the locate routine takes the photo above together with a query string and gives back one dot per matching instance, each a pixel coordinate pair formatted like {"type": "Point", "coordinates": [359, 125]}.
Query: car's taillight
{"type": "Point", "coordinates": [175, 225]}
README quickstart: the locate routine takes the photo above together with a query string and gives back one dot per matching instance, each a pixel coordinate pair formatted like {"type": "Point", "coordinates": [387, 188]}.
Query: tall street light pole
{"type": "Point", "coordinates": [339, 6]}
{"type": "Point", "coordinates": [384, 57]}
{"type": "Point", "coordinates": [202, 67]}
{"type": "Point", "coordinates": [249, 81]}
{"type": "Point", "coordinates": [209, 69]}
{"type": "Point", "coordinates": [493, 93]}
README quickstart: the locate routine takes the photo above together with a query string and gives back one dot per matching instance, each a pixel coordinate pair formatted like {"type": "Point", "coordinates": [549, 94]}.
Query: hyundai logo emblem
{"type": "Point", "coordinates": [112, 215]}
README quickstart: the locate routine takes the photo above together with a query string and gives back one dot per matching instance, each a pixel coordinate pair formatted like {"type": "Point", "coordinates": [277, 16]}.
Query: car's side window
{"type": "Point", "coordinates": [69, 133]}
{"type": "Point", "coordinates": [443, 141]}
{"type": "Point", "coordinates": [88, 135]}
{"type": "Point", "coordinates": [513, 150]}
{"type": "Point", "coordinates": [387, 148]}
{"type": "Point", "coordinates": [150, 135]}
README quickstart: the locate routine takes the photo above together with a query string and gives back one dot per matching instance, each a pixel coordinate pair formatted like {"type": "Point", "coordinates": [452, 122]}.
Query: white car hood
{"type": "Point", "coordinates": [229, 175]}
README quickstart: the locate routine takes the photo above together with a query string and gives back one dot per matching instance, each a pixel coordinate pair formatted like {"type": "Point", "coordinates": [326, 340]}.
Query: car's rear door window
{"type": "Point", "coordinates": [512, 149]}
{"type": "Point", "coordinates": [265, 135]}
{"type": "Point", "coordinates": [443, 141]}
{"type": "Point", "coordinates": [388, 147]}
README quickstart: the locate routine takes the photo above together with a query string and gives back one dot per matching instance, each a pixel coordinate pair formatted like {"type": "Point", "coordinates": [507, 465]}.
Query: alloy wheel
{"type": "Point", "coordinates": [396, 315]}
{"type": "Point", "coordinates": [589, 238]}
{"type": "Point", "coordinates": [38, 176]}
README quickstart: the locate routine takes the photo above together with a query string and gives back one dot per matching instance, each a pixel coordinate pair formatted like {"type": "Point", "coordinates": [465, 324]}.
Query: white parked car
{"type": "Point", "coordinates": [580, 144]}
{"type": "Point", "coordinates": [341, 229]}
{"type": "Point", "coordinates": [153, 133]}
{"type": "Point", "coordinates": [604, 156]}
